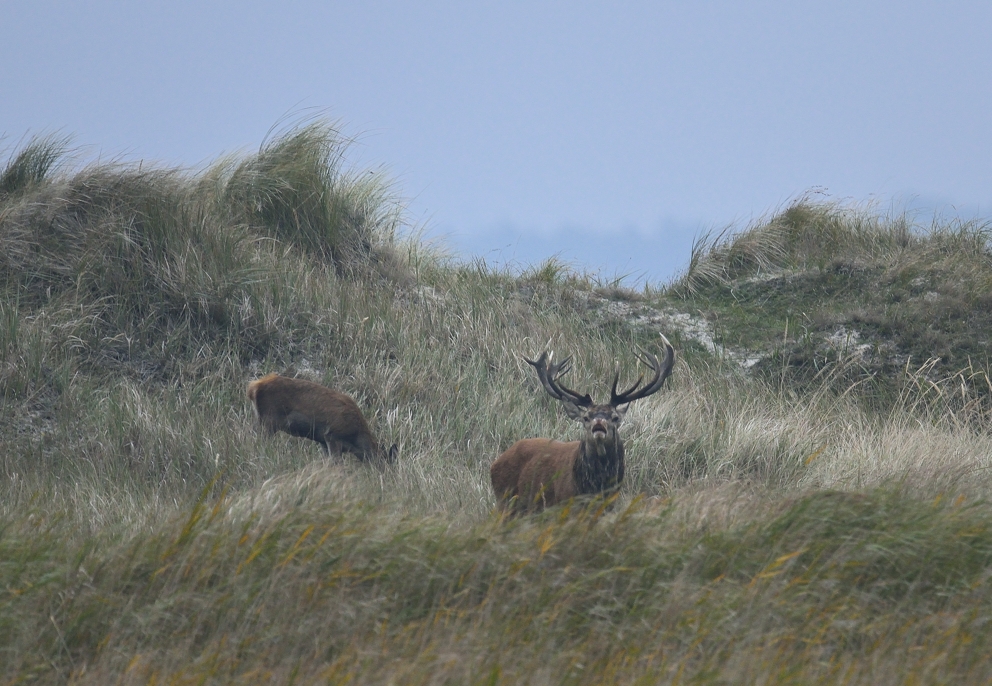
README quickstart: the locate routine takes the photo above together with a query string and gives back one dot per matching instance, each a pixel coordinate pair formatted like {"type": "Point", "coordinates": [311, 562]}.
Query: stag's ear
{"type": "Point", "coordinates": [622, 410]}
{"type": "Point", "coordinates": [573, 410]}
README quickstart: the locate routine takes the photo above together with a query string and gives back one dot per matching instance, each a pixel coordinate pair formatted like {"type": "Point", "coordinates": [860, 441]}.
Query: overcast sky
{"type": "Point", "coordinates": [610, 133]}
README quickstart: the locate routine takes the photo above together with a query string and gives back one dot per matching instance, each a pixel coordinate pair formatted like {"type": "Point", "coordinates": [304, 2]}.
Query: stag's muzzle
{"type": "Point", "coordinates": [599, 428]}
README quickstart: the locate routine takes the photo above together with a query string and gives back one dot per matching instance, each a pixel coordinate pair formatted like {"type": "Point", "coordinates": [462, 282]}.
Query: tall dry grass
{"type": "Point", "coordinates": [151, 533]}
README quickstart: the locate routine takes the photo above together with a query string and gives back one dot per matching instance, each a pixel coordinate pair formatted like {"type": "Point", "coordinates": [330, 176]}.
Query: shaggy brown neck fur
{"type": "Point", "coordinates": [599, 466]}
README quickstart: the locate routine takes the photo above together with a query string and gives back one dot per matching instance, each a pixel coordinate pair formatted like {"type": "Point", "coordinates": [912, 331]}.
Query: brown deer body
{"type": "Point", "coordinates": [538, 472]}
{"type": "Point", "coordinates": [308, 410]}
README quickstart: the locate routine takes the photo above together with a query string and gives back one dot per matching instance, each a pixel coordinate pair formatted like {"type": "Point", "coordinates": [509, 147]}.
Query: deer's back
{"type": "Point", "coordinates": [279, 399]}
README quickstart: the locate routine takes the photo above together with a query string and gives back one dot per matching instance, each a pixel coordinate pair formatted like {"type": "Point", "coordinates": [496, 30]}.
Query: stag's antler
{"type": "Point", "coordinates": [661, 372]}
{"type": "Point", "coordinates": [550, 375]}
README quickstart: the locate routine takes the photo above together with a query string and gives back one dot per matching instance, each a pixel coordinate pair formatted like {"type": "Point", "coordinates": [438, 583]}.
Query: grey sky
{"type": "Point", "coordinates": [609, 132]}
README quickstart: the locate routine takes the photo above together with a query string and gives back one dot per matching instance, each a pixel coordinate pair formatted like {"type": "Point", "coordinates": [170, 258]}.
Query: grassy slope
{"type": "Point", "coordinates": [903, 296]}
{"type": "Point", "coordinates": [819, 518]}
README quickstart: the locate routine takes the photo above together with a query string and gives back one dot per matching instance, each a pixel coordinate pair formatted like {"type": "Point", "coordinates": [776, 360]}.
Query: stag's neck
{"type": "Point", "coordinates": [599, 466]}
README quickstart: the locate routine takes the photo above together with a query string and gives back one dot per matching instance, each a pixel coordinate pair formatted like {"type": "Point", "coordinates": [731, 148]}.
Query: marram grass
{"type": "Point", "coordinates": [300, 580]}
{"type": "Point", "coordinates": [150, 533]}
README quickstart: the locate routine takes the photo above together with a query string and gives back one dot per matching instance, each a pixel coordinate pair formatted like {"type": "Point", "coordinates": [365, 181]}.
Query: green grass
{"type": "Point", "coordinates": [301, 581]}
{"type": "Point", "coordinates": [818, 518]}
{"type": "Point", "coordinates": [903, 295]}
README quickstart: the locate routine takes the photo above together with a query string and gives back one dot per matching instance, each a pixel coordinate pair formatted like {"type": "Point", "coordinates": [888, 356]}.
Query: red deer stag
{"type": "Point", "coordinates": [308, 410]}
{"type": "Point", "coordinates": [537, 472]}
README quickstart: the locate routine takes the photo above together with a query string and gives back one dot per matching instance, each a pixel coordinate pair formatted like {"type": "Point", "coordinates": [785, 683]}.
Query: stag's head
{"type": "Point", "coordinates": [602, 421]}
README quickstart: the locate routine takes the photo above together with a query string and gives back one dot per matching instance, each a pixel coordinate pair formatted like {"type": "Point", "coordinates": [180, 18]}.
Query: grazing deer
{"type": "Point", "coordinates": [308, 410]}
{"type": "Point", "coordinates": [537, 472]}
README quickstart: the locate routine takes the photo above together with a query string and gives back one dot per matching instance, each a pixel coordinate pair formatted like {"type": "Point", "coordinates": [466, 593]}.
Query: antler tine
{"type": "Point", "coordinates": [582, 399]}
{"type": "Point", "coordinates": [541, 365]}
{"type": "Point", "coordinates": [556, 371]}
{"type": "Point", "coordinates": [616, 380]}
{"type": "Point", "coordinates": [661, 372]}
{"type": "Point", "coordinates": [550, 375]}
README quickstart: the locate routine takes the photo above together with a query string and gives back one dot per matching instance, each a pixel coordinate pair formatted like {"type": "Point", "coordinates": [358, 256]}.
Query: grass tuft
{"type": "Point", "coordinates": [33, 164]}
